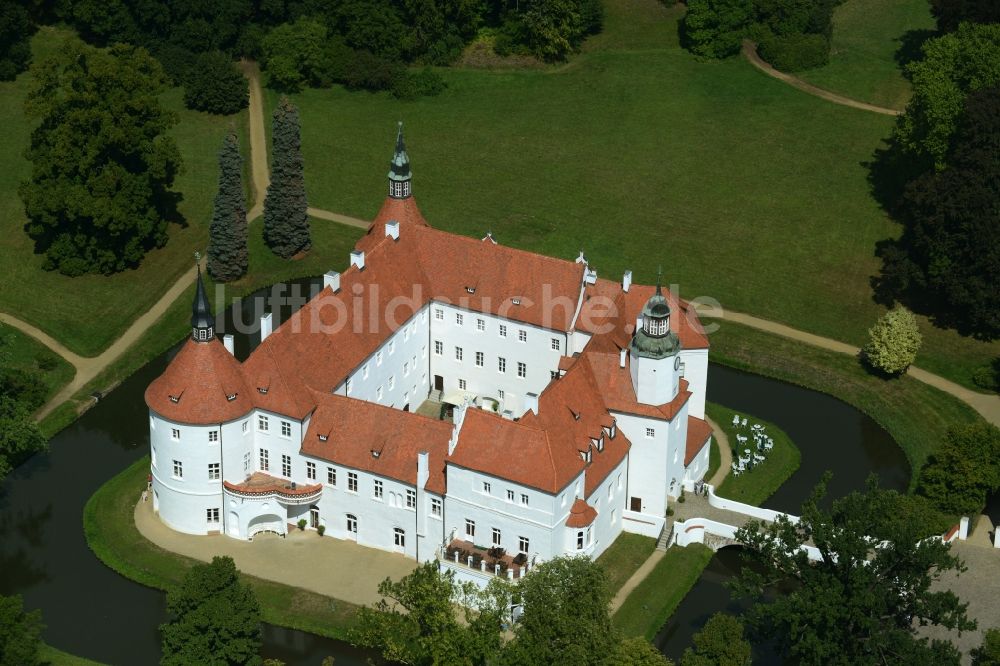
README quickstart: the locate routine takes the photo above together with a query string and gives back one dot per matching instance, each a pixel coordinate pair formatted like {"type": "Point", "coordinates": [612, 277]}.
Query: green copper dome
{"type": "Point", "coordinates": [399, 168]}
{"type": "Point", "coordinates": [655, 339]}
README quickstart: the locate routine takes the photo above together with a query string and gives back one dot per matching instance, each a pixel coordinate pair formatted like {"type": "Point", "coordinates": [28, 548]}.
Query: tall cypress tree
{"type": "Point", "coordinates": [286, 226]}
{"type": "Point", "coordinates": [227, 244]}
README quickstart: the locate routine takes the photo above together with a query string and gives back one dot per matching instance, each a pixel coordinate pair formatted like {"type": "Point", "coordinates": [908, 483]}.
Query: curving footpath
{"type": "Point", "coordinates": [750, 53]}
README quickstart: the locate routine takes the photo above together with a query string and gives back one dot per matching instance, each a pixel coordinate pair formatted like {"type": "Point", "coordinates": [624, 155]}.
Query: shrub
{"type": "Point", "coordinates": [215, 85]}
{"type": "Point", "coordinates": [963, 471]}
{"type": "Point", "coordinates": [893, 342]}
{"type": "Point", "coordinates": [321, 530]}
{"type": "Point", "coordinates": [411, 85]}
{"type": "Point", "coordinates": [795, 52]}
{"type": "Point", "coordinates": [302, 523]}
{"type": "Point", "coordinates": [988, 376]}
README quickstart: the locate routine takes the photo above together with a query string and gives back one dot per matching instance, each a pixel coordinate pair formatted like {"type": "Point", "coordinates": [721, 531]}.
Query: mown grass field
{"type": "Point", "coordinates": [870, 40]}
{"type": "Point", "coordinates": [87, 313]}
{"type": "Point", "coordinates": [743, 188]}
{"type": "Point", "coordinates": [760, 482]}
{"type": "Point", "coordinates": [19, 350]}
{"type": "Point", "coordinates": [623, 557]}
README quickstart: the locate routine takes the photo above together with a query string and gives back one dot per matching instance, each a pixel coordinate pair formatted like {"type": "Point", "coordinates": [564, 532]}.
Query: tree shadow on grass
{"type": "Point", "coordinates": [910, 44]}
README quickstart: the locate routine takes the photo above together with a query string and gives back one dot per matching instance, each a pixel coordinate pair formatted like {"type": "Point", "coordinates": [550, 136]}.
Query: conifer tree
{"type": "Point", "coordinates": [227, 244]}
{"type": "Point", "coordinates": [286, 226]}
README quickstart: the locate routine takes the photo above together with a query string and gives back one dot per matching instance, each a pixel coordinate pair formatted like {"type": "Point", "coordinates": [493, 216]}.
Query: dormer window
{"type": "Point", "coordinates": [470, 290]}
{"type": "Point", "coordinates": [174, 399]}
{"type": "Point", "coordinates": [262, 390]}
{"type": "Point", "coordinates": [323, 438]}
{"type": "Point", "coordinates": [614, 429]}
{"type": "Point", "coordinates": [375, 453]}
{"type": "Point", "coordinates": [515, 301]}
{"type": "Point", "coordinates": [600, 443]}
{"type": "Point", "coordinates": [230, 397]}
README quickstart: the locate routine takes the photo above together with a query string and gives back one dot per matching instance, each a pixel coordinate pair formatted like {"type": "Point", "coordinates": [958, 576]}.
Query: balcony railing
{"type": "Point", "coordinates": [264, 486]}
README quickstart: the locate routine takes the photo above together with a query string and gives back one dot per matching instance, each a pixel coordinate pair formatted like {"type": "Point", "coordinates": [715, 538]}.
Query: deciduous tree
{"type": "Point", "coordinates": [951, 13]}
{"type": "Point", "coordinates": [215, 85]}
{"type": "Point", "coordinates": [19, 435]}
{"type": "Point", "coordinates": [214, 618]}
{"type": "Point", "coordinates": [16, 29]}
{"type": "Point", "coordinates": [958, 477]}
{"type": "Point", "coordinates": [862, 602]}
{"type": "Point", "coordinates": [286, 225]}
{"type": "Point", "coordinates": [719, 643]}
{"type": "Point", "coordinates": [417, 621]}
{"type": "Point", "coordinates": [20, 633]}
{"type": "Point", "coordinates": [227, 244]}
{"type": "Point", "coordinates": [893, 342]}
{"type": "Point", "coordinates": [102, 162]}
{"type": "Point", "coordinates": [716, 28]}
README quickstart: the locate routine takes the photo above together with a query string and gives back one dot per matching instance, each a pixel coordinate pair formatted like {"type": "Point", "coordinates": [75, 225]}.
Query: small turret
{"type": "Point", "coordinates": [654, 353]}
{"type": "Point", "coordinates": [202, 322]}
{"type": "Point", "coordinates": [400, 176]}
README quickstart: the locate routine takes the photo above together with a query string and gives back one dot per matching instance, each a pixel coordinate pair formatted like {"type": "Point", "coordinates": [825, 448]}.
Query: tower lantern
{"type": "Point", "coordinates": [202, 322]}
{"type": "Point", "coordinates": [400, 176]}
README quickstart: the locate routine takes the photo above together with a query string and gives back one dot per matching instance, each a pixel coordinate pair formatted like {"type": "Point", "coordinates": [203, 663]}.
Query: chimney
{"type": "Point", "coordinates": [423, 469]}
{"type": "Point", "coordinates": [392, 229]}
{"type": "Point", "coordinates": [627, 281]}
{"type": "Point", "coordinates": [621, 357]}
{"type": "Point", "coordinates": [227, 341]}
{"type": "Point", "coordinates": [358, 259]}
{"type": "Point", "coordinates": [265, 326]}
{"type": "Point", "coordinates": [531, 402]}
{"type": "Point", "coordinates": [507, 414]}
{"type": "Point", "coordinates": [332, 280]}
{"type": "Point", "coordinates": [638, 322]}
{"type": "Point", "coordinates": [590, 276]}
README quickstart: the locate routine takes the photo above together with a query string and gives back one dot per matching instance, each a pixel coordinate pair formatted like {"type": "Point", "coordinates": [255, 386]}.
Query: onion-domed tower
{"type": "Point", "coordinates": [655, 363]}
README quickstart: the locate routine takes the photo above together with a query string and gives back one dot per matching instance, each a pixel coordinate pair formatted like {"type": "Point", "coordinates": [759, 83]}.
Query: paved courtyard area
{"type": "Point", "coordinates": [324, 565]}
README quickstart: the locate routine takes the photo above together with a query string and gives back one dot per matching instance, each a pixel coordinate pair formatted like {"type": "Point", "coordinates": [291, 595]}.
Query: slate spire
{"type": "Point", "coordinates": [202, 322]}
{"type": "Point", "coordinates": [399, 169]}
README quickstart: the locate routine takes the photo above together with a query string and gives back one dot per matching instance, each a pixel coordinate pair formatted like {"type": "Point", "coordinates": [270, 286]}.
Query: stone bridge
{"type": "Point", "coordinates": [712, 520]}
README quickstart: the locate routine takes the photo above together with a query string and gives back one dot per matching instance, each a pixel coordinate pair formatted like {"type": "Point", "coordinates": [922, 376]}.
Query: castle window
{"type": "Point", "coordinates": [246, 461]}
{"type": "Point", "coordinates": [406, 368]}
{"type": "Point", "coordinates": [522, 336]}
{"type": "Point", "coordinates": [461, 384]}
{"type": "Point", "coordinates": [438, 347]}
{"type": "Point", "coordinates": [650, 432]}
{"type": "Point", "coordinates": [213, 435]}
{"type": "Point", "coordinates": [378, 357]}
{"type": "Point", "coordinates": [496, 536]}
{"type": "Point", "coordinates": [364, 371]}
{"type": "Point", "coordinates": [392, 346]}
{"type": "Point", "coordinates": [435, 507]}
{"type": "Point", "coordinates": [212, 515]}
{"type": "Point", "coordinates": [311, 470]}
{"type": "Point", "coordinates": [503, 330]}
{"type": "Point", "coordinates": [458, 353]}
{"type": "Point", "coordinates": [399, 537]}
{"type": "Point", "coordinates": [213, 471]}
{"type": "Point", "coordinates": [523, 544]}
{"type": "Point", "coordinates": [392, 382]}
{"type": "Point", "coordinates": [524, 499]}
{"type": "Point", "coordinates": [487, 487]}
{"type": "Point", "coordinates": [286, 429]}
{"type": "Point", "coordinates": [510, 495]}
{"type": "Point", "coordinates": [377, 490]}
{"type": "Point", "coordinates": [556, 345]}
{"type": "Point", "coordinates": [480, 358]}
{"type": "Point", "coordinates": [480, 324]}
{"type": "Point", "coordinates": [502, 364]}
{"type": "Point", "coordinates": [331, 476]}
{"type": "Point", "coordinates": [286, 465]}
{"type": "Point", "coordinates": [411, 499]}
{"type": "Point", "coordinates": [262, 423]}
{"type": "Point", "coordinates": [500, 393]}
{"type": "Point", "coordinates": [246, 426]}
{"type": "Point", "coordinates": [522, 370]}
{"type": "Point", "coordinates": [378, 394]}
{"type": "Point", "coordinates": [439, 314]}
{"type": "Point", "coordinates": [175, 434]}
{"type": "Point", "coordinates": [178, 470]}
{"type": "Point", "coordinates": [265, 460]}
{"type": "Point", "coordinates": [459, 318]}
{"type": "Point", "coordinates": [579, 540]}
{"type": "Point", "coordinates": [470, 528]}
{"type": "Point", "coordinates": [352, 482]}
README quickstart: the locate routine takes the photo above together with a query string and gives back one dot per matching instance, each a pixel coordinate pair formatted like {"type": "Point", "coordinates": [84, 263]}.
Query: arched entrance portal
{"type": "Point", "coordinates": [265, 523]}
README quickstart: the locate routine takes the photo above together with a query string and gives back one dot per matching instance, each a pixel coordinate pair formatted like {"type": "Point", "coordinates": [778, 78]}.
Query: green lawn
{"type": "Point", "coordinates": [742, 187]}
{"type": "Point", "coordinates": [652, 603]}
{"type": "Point", "coordinates": [111, 533]}
{"type": "Point", "coordinates": [51, 656]}
{"type": "Point", "coordinates": [624, 556]}
{"type": "Point", "coordinates": [87, 313]}
{"type": "Point", "coordinates": [760, 482]}
{"type": "Point", "coordinates": [914, 414]}
{"type": "Point", "coordinates": [868, 37]}
{"type": "Point", "coordinates": [19, 350]}
{"type": "Point", "coordinates": [332, 244]}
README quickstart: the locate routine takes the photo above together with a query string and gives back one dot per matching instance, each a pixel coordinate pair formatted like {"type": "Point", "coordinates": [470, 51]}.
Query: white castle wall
{"type": "Point", "coordinates": [695, 363]}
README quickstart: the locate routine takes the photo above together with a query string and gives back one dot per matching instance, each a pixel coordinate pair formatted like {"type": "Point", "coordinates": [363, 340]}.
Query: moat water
{"type": "Point", "coordinates": [91, 611]}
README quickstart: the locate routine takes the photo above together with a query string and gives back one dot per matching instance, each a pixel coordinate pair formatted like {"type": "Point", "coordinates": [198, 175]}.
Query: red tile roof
{"type": "Point", "coordinates": [404, 211]}
{"type": "Point", "coordinates": [618, 392]}
{"type": "Point", "coordinates": [581, 514]}
{"type": "Point", "coordinates": [357, 430]}
{"type": "Point", "coordinates": [260, 483]}
{"type": "Point", "coordinates": [275, 386]}
{"type": "Point", "coordinates": [196, 386]}
{"type": "Point", "coordinates": [698, 433]}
